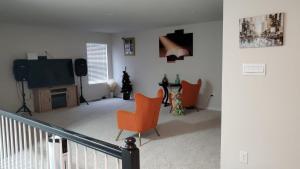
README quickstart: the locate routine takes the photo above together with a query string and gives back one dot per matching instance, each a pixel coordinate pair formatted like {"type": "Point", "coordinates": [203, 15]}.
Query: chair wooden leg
{"type": "Point", "coordinates": [120, 132]}
{"type": "Point", "coordinates": [156, 131]}
{"type": "Point", "coordinates": [140, 139]}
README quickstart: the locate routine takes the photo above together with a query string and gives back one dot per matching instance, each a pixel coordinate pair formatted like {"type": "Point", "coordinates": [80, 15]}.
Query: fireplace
{"type": "Point", "coordinates": [59, 98]}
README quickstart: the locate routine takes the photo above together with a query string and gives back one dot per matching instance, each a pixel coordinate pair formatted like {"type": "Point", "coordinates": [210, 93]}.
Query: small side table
{"type": "Point", "coordinates": [165, 86]}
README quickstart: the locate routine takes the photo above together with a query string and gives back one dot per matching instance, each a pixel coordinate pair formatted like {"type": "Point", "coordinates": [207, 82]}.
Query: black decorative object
{"type": "Point", "coordinates": [126, 86]}
{"type": "Point", "coordinates": [165, 79]}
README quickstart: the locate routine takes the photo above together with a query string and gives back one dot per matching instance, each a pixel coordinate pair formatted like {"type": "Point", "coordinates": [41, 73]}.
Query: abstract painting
{"type": "Point", "coordinates": [175, 46]}
{"type": "Point", "coordinates": [261, 31]}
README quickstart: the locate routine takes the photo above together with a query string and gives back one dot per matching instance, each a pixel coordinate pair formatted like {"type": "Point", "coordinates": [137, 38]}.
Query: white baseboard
{"type": "Point", "coordinates": [211, 108]}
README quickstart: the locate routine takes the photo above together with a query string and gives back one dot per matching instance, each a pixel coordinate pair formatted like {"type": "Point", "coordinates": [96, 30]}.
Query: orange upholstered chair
{"type": "Point", "coordinates": [190, 93]}
{"type": "Point", "coordinates": [144, 118]}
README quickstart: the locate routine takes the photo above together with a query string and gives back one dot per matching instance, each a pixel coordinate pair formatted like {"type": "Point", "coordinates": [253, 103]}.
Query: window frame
{"type": "Point", "coordinates": [90, 83]}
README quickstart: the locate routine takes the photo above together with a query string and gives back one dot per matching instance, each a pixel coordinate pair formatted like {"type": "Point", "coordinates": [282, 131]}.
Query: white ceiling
{"type": "Point", "coordinates": [110, 16]}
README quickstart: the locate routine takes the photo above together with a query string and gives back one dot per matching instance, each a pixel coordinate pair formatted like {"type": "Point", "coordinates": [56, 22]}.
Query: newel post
{"type": "Point", "coordinates": [130, 155]}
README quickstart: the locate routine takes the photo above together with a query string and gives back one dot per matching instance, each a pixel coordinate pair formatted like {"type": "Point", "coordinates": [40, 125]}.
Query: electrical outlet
{"type": "Point", "coordinates": [244, 157]}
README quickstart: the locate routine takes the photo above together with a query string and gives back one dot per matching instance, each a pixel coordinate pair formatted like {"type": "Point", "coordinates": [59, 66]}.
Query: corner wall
{"type": "Point", "coordinates": [147, 69]}
{"type": "Point", "coordinates": [17, 40]}
{"type": "Point", "coordinates": [261, 115]}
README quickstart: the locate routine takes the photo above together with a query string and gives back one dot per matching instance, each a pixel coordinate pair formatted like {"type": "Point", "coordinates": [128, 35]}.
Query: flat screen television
{"type": "Point", "coordinates": [50, 72]}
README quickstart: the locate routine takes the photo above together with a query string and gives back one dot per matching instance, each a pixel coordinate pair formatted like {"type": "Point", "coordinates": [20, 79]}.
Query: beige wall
{"type": "Point", "coordinates": [147, 69]}
{"type": "Point", "coordinates": [261, 115]}
{"type": "Point", "coordinates": [17, 40]}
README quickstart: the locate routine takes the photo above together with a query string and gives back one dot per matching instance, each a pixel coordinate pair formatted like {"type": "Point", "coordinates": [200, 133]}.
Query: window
{"type": "Point", "coordinates": [97, 63]}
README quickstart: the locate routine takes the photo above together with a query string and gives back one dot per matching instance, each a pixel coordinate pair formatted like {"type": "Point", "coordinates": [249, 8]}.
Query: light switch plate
{"type": "Point", "coordinates": [244, 157]}
{"type": "Point", "coordinates": [254, 69]}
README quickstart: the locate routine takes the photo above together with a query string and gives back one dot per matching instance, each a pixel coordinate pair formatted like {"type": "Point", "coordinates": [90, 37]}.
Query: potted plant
{"type": "Point", "coordinates": [126, 86]}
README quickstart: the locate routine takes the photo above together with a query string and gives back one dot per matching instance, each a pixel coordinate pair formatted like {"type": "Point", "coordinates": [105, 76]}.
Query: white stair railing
{"type": "Point", "coordinates": [26, 143]}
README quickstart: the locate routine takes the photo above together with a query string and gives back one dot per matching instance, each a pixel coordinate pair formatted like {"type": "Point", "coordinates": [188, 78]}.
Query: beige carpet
{"type": "Point", "coordinates": [186, 142]}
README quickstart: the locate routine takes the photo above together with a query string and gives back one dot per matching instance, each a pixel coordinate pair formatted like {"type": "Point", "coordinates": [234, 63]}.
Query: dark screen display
{"type": "Point", "coordinates": [52, 72]}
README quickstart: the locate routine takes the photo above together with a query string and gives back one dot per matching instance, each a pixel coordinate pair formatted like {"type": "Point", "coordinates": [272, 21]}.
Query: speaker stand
{"type": "Point", "coordinates": [82, 99]}
{"type": "Point", "coordinates": [24, 108]}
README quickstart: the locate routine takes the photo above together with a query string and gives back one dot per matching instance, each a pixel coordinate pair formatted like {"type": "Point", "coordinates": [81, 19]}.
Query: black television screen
{"type": "Point", "coordinates": [51, 72]}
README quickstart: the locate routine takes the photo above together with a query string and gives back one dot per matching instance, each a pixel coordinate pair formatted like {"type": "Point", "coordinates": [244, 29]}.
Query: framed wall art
{"type": "Point", "coordinates": [262, 31]}
{"type": "Point", "coordinates": [129, 46]}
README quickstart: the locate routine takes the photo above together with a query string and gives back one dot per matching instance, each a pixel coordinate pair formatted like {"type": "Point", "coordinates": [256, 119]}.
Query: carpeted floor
{"type": "Point", "coordinates": [186, 142]}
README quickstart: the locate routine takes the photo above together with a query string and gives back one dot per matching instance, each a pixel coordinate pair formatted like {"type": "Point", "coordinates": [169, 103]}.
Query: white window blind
{"type": "Point", "coordinates": [97, 63]}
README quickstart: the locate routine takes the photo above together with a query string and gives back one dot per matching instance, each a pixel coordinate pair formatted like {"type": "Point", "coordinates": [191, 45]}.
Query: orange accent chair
{"type": "Point", "coordinates": [144, 118]}
{"type": "Point", "coordinates": [190, 94]}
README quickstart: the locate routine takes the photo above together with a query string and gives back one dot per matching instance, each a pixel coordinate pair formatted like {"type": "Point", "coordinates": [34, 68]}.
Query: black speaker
{"type": "Point", "coordinates": [80, 67]}
{"type": "Point", "coordinates": [21, 69]}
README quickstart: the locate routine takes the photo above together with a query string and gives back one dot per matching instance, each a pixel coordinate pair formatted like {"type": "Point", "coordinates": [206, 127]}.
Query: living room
{"type": "Point", "coordinates": [146, 70]}
{"type": "Point", "coordinates": [132, 39]}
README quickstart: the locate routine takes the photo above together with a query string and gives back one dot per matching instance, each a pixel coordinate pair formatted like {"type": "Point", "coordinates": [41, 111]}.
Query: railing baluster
{"type": "Point", "coordinates": [16, 144]}
{"type": "Point", "coordinates": [76, 156]}
{"type": "Point", "coordinates": [25, 145]}
{"type": "Point", "coordinates": [30, 147]}
{"type": "Point", "coordinates": [20, 146]}
{"type": "Point", "coordinates": [35, 149]}
{"type": "Point", "coordinates": [47, 150]}
{"type": "Point", "coordinates": [53, 149]}
{"type": "Point", "coordinates": [4, 142]}
{"type": "Point", "coordinates": [7, 143]}
{"type": "Point", "coordinates": [1, 145]}
{"type": "Point", "coordinates": [85, 158]}
{"type": "Point", "coordinates": [60, 154]}
{"type": "Point", "coordinates": [69, 154]}
{"type": "Point", "coordinates": [105, 161]}
{"type": "Point", "coordinates": [118, 163]}
{"type": "Point", "coordinates": [41, 149]}
{"type": "Point", "coordinates": [12, 149]}
{"type": "Point", "coordinates": [95, 159]}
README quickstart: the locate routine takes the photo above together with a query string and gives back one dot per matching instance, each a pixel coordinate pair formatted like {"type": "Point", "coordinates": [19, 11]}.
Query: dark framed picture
{"type": "Point", "coordinates": [262, 31]}
{"type": "Point", "coordinates": [129, 46]}
{"type": "Point", "coordinates": [176, 46]}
